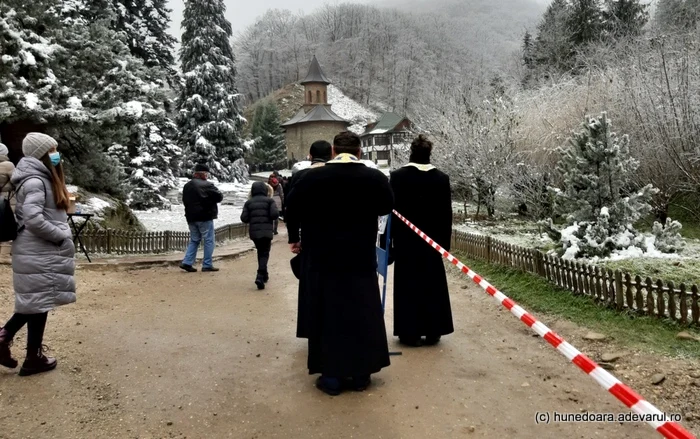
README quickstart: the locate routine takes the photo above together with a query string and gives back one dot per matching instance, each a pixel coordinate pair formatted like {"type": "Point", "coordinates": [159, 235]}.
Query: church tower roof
{"type": "Point", "coordinates": [315, 74]}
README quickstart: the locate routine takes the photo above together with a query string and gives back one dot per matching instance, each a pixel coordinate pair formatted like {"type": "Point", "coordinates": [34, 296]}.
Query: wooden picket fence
{"type": "Point", "coordinates": [121, 242]}
{"type": "Point", "coordinates": [617, 289]}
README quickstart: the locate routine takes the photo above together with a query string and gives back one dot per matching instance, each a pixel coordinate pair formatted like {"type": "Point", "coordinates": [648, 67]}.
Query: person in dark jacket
{"type": "Point", "coordinates": [338, 206]}
{"type": "Point", "coordinates": [319, 153]}
{"type": "Point", "coordinates": [201, 199]}
{"type": "Point", "coordinates": [421, 299]}
{"type": "Point", "coordinates": [260, 211]}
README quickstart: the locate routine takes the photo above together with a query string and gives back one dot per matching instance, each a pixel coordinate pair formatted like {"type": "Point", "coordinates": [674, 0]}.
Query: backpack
{"type": "Point", "coordinates": [8, 223]}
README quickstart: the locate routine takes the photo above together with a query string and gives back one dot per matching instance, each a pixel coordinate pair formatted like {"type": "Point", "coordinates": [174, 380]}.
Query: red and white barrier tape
{"type": "Point", "coordinates": [621, 391]}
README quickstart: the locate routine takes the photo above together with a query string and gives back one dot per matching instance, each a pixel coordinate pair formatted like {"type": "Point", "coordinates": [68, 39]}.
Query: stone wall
{"type": "Point", "coordinates": [300, 137]}
{"type": "Point", "coordinates": [319, 95]}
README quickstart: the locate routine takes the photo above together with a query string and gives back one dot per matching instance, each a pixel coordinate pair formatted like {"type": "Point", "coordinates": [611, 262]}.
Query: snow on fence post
{"type": "Point", "coordinates": [167, 244]}
{"type": "Point", "coordinates": [619, 295]}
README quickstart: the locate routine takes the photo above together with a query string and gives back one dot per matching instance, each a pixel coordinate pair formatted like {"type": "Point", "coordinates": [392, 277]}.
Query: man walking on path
{"type": "Point", "coordinates": [421, 298]}
{"type": "Point", "coordinates": [337, 207]}
{"type": "Point", "coordinates": [201, 199]}
{"type": "Point", "coordinates": [320, 152]}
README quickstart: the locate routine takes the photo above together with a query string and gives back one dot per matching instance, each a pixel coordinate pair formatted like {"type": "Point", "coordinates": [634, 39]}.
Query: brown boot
{"type": "Point", "coordinates": [5, 354]}
{"type": "Point", "coordinates": [36, 362]}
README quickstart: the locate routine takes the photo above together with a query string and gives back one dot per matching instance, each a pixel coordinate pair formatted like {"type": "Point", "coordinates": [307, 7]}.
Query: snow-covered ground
{"type": "Point", "coordinates": [235, 195]}
{"type": "Point", "coordinates": [174, 219]}
{"type": "Point", "coordinates": [517, 233]}
{"type": "Point", "coordinates": [350, 110]}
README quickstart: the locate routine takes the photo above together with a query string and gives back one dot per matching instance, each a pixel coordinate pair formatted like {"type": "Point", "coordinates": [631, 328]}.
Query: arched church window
{"type": "Point", "coordinates": [318, 96]}
{"type": "Point", "coordinates": [309, 100]}
{"type": "Point", "coordinates": [325, 98]}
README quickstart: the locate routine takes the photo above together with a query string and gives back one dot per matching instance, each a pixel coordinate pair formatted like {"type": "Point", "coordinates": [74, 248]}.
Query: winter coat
{"type": "Point", "coordinates": [201, 199]}
{"type": "Point", "coordinates": [278, 196]}
{"type": "Point", "coordinates": [260, 211]}
{"type": "Point", "coordinates": [6, 170]}
{"type": "Point", "coordinates": [43, 255]}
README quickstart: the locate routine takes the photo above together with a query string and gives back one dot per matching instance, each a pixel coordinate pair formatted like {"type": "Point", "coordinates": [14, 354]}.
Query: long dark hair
{"type": "Point", "coordinates": [58, 183]}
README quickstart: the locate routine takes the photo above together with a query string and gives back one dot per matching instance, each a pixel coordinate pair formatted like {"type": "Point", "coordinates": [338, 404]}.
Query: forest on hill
{"type": "Point", "coordinates": [385, 57]}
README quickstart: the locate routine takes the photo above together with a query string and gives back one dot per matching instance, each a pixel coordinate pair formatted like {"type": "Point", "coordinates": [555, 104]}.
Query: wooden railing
{"type": "Point", "coordinates": [121, 242]}
{"type": "Point", "coordinates": [617, 289]}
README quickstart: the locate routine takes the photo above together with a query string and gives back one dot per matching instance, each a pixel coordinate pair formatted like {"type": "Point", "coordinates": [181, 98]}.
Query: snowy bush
{"type": "Point", "coordinates": [668, 236]}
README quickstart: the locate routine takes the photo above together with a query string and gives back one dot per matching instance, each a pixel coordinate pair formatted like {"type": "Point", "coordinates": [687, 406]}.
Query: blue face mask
{"type": "Point", "coordinates": [55, 158]}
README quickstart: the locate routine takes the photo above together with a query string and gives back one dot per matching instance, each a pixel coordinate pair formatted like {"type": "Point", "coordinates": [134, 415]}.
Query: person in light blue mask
{"type": "Point", "coordinates": [43, 255]}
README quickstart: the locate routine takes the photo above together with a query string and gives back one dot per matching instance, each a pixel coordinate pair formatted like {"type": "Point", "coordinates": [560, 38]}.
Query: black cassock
{"type": "Point", "coordinates": [292, 223]}
{"type": "Point", "coordinates": [421, 298]}
{"type": "Point", "coordinates": [337, 207]}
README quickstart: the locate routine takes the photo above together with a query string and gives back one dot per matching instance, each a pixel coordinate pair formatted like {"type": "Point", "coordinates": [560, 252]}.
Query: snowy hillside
{"type": "Point", "coordinates": [350, 110]}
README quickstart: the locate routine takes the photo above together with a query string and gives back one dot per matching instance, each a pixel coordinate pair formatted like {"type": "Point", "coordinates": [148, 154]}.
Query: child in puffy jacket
{"type": "Point", "coordinates": [260, 212]}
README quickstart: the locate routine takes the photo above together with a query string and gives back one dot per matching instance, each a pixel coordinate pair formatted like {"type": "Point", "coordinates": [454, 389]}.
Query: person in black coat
{"type": "Point", "coordinates": [319, 153]}
{"type": "Point", "coordinates": [338, 206]}
{"type": "Point", "coordinates": [421, 298]}
{"type": "Point", "coordinates": [260, 211]}
{"type": "Point", "coordinates": [201, 199]}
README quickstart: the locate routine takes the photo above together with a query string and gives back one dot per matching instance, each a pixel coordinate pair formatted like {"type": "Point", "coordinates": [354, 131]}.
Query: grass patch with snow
{"type": "Point", "coordinates": [539, 296]}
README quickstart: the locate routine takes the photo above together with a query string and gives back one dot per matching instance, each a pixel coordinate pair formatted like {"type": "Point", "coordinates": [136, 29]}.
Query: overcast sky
{"type": "Point", "coordinates": [242, 13]}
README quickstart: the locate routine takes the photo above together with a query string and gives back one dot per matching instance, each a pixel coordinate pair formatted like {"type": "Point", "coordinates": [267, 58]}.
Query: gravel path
{"type": "Point", "coordinates": [157, 353]}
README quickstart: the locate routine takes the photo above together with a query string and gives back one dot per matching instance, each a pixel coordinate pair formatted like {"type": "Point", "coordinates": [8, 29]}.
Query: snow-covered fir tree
{"type": "Point", "coordinates": [29, 88]}
{"type": "Point", "coordinates": [154, 157]}
{"type": "Point", "coordinates": [71, 73]}
{"type": "Point", "coordinates": [152, 168]}
{"type": "Point", "coordinates": [597, 198]}
{"type": "Point", "coordinates": [209, 117]}
{"type": "Point", "coordinates": [145, 25]}
{"type": "Point", "coordinates": [269, 149]}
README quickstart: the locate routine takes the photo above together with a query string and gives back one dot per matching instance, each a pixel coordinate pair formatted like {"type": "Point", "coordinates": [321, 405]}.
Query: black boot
{"type": "Point", "coordinates": [5, 354]}
{"type": "Point", "coordinates": [260, 282]}
{"type": "Point", "coordinates": [266, 277]}
{"type": "Point", "coordinates": [360, 383]}
{"type": "Point", "coordinates": [411, 341]}
{"type": "Point", "coordinates": [432, 340]}
{"type": "Point", "coordinates": [36, 362]}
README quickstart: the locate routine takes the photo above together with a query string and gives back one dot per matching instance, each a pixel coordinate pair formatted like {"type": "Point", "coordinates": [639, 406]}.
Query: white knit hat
{"type": "Point", "coordinates": [37, 145]}
{"type": "Point", "coordinates": [3, 150]}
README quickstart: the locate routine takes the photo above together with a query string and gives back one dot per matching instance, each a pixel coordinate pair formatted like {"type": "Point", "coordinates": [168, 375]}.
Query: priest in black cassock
{"type": "Point", "coordinates": [421, 299]}
{"type": "Point", "coordinates": [319, 153]}
{"type": "Point", "coordinates": [338, 206]}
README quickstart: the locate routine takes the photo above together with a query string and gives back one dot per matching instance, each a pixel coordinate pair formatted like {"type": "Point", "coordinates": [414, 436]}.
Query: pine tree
{"type": "Point", "coordinates": [269, 150]}
{"type": "Point", "coordinates": [585, 21]}
{"type": "Point", "coordinates": [145, 26]}
{"type": "Point", "coordinates": [152, 174]}
{"type": "Point", "coordinates": [29, 88]}
{"type": "Point", "coordinates": [553, 47]}
{"type": "Point", "coordinates": [528, 48]}
{"type": "Point", "coordinates": [209, 119]}
{"type": "Point", "coordinates": [597, 197]}
{"type": "Point", "coordinates": [624, 18]}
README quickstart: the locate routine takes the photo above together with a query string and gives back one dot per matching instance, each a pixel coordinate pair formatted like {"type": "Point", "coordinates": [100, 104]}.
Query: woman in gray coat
{"type": "Point", "coordinates": [43, 254]}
